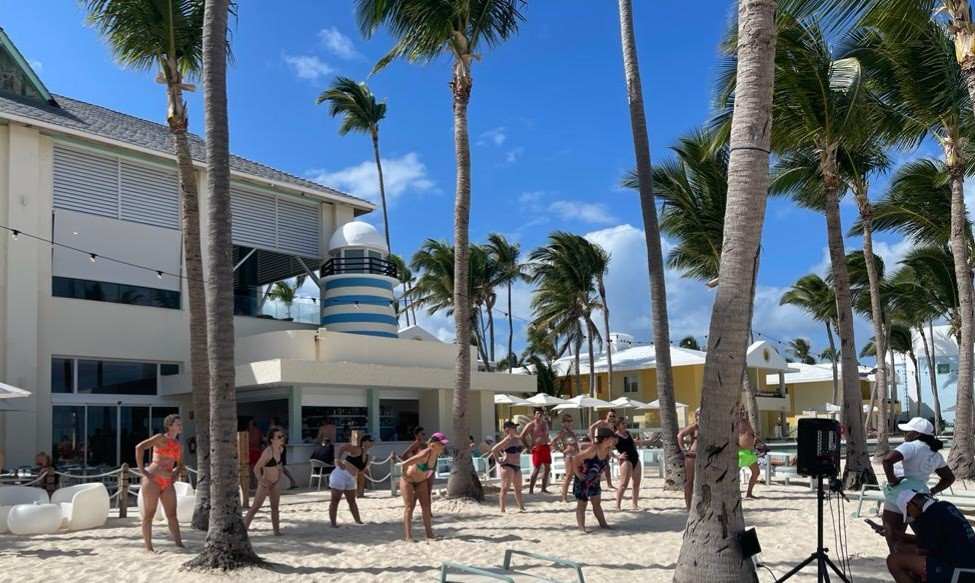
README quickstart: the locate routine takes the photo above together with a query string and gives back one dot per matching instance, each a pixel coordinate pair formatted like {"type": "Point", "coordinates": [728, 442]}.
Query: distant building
{"type": "Point", "coordinates": [944, 353]}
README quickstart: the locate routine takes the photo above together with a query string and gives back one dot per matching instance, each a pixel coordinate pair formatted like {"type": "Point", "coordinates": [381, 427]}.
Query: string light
{"type": "Point", "coordinates": [92, 257]}
{"type": "Point", "coordinates": [159, 274]}
{"type": "Point", "coordinates": [15, 234]}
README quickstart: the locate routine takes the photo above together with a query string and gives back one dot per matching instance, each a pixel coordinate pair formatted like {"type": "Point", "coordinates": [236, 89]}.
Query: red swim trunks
{"type": "Point", "coordinates": [542, 454]}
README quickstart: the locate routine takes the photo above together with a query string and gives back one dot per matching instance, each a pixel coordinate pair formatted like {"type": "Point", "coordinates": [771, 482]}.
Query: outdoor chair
{"type": "Point", "coordinates": [11, 496]}
{"type": "Point", "coordinates": [506, 572]}
{"type": "Point", "coordinates": [318, 473]}
{"type": "Point", "coordinates": [185, 503]}
{"type": "Point", "coordinates": [82, 506]}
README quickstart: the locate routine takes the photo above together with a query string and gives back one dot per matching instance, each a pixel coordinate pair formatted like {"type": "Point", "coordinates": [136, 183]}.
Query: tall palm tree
{"type": "Point", "coordinates": [227, 546]}
{"type": "Point", "coordinates": [145, 34]}
{"type": "Point", "coordinates": [510, 271]}
{"type": "Point", "coordinates": [813, 295]}
{"type": "Point", "coordinates": [822, 106]}
{"type": "Point", "coordinates": [462, 29]}
{"type": "Point", "coordinates": [598, 261]}
{"type": "Point", "coordinates": [801, 350]}
{"type": "Point", "coordinates": [405, 303]}
{"type": "Point", "coordinates": [360, 113]}
{"type": "Point", "coordinates": [709, 551]}
{"type": "Point", "coordinates": [655, 261]}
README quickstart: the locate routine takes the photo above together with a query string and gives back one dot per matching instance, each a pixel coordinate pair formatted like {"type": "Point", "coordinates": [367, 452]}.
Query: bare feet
{"type": "Point", "coordinates": [409, 539]}
{"type": "Point", "coordinates": [149, 549]}
{"type": "Point", "coordinates": [334, 525]}
{"type": "Point", "coordinates": [752, 496]}
{"type": "Point", "coordinates": [277, 533]}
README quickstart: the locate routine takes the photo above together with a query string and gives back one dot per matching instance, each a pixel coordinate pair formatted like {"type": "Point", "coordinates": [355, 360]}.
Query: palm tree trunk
{"type": "Point", "coordinates": [490, 313]}
{"type": "Point", "coordinates": [511, 333]}
{"type": "Point", "coordinates": [463, 481]}
{"type": "Point", "coordinates": [382, 187]}
{"type": "Point", "coordinates": [591, 329]}
{"type": "Point", "coordinates": [609, 340]}
{"type": "Point", "coordinates": [578, 377]}
{"type": "Point", "coordinates": [932, 374]}
{"type": "Point", "coordinates": [674, 480]}
{"type": "Point", "coordinates": [710, 551]}
{"type": "Point", "coordinates": [195, 289]}
{"type": "Point", "coordinates": [893, 386]}
{"type": "Point", "coordinates": [917, 383]}
{"type": "Point", "coordinates": [962, 457]}
{"type": "Point", "coordinates": [832, 360]}
{"type": "Point", "coordinates": [227, 546]}
{"type": "Point", "coordinates": [876, 314]}
{"type": "Point", "coordinates": [858, 469]}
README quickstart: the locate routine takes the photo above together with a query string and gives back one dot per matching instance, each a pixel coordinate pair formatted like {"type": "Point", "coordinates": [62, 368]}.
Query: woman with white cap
{"type": "Point", "coordinates": [908, 468]}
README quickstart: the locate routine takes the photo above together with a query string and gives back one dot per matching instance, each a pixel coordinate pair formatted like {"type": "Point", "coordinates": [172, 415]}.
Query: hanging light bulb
{"type": "Point", "coordinates": [92, 257]}
{"type": "Point", "coordinates": [15, 234]}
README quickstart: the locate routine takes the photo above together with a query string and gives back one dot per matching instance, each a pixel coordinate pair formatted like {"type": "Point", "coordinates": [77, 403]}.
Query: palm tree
{"type": "Point", "coordinates": [598, 261]}
{"type": "Point", "coordinates": [360, 113]}
{"type": "Point", "coordinates": [143, 35]}
{"type": "Point", "coordinates": [405, 303]}
{"type": "Point", "coordinates": [801, 350]}
{"type": "Point", "coordinates": [709, 551]}
{"type": "Point", "coordinates": [655, 262]}
{"type": "Point", "coordinates": [227, 546]}
{"type": "Point", "coordinates": [285, 292]}
{"type": "Point", "coordinates": [462, 29]}
{"type": "Point", "coordinates": [813, 295]}
{"type": "Point", "coordinates": [510, 271]}
{"type": "Point", "coordinates": [689, 342]}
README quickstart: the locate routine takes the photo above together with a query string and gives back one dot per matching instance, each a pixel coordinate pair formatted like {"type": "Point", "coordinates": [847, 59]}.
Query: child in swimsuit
{"type": "Point", "coordinates": [509, 451]}
{"type": "Point", "coordinates": [416, 483]}
{"type": "Point", "coordinates": [268, 470]}
{"type": "Point", "coordinates": [157, 479]}
{"type": "Point", "coordinates": [588, 466]}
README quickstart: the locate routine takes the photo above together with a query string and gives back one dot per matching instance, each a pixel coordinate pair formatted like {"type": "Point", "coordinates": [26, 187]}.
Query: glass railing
{"type": "Point", "coordinates": [302, 310]}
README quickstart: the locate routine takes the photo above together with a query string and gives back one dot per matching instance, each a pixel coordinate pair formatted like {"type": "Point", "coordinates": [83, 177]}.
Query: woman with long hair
{"type": "Point", "coordinates": [631, 468]}
{"type": "Point", "coordinates": [908, 468]}
{"type": "Point", "coordinates": [350, 459]}
{"type": "Point", "coordinates": [268, 471]}
{"type": "Point", "coordinates": [416, 482]}
{"type": "Point", "coordinates": [508, 451]}
{"type": "Point", "coordinates": [687, 442]}
{"type": "Point", "coordinates": [158, 478]}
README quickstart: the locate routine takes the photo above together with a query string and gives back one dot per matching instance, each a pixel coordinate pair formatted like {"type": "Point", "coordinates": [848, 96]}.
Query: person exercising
{"type": "Point", "coordinates": [535, 434]}
{"type": "Point", "coordinates": [608, 422]}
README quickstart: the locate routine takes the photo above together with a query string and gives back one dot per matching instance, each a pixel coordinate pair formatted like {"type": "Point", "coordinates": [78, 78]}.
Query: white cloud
{"type": "Point", "coordinates": [495, 136]}
{"type": "Point", "coordinates": [36, 65]}
{"type": "Point", "coordinates": [512, 155]}
{"type": "Point", "coordinates": [338, 44]}
{"type": "Point", "coordinates": [892, 254]}
{"type": "Point", "coordinates": [406, 174]}
{"type": "Point", "coordinates": [586, 212]}
{"type": "Point", "coordinates": [531, 200]}
{"type": "Point", "coordinates": [308, 66]}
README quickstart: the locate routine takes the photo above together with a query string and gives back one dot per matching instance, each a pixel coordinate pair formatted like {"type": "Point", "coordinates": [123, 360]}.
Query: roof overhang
{"type": "Point", "coordinates": [6, 43]}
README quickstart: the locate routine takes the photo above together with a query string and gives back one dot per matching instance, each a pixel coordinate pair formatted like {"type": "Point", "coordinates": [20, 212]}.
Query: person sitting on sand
{"type": "Point", "coordinates": [567, 443]}
{"type": "Point", "coordinates": [351, 459]}
{"type": "Point", "coordinates": [687, 442]}
{"type": "Point", "coordinates": [268, 470]}
{"type": "Point", "coordinates": [587, 467]}
{"type": "Point", "coordinates": [943, 541]}
{"type": "Point", "coordinates": [511, 445]}
{"type": "Point", "coordinates": [908, 468]}
{"type": "Point", "coordinates": [608, 422]}
{"type": "Point", "coordinates": [537, 432]}
{"type": "Point", "coordinates": [157, 479]}
{"type": "Point", "coordinates": [747, 456]}
{"type": "Point", "coordinates": [416, 483]}
{"type": "Point", "coordinates": [630, 465]}
{"type": "Point", "coordinates": [418, 444]}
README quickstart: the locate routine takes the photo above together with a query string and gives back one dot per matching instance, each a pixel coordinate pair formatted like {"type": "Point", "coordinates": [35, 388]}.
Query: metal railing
{"type": "Point", "coordinates": [370, 265]}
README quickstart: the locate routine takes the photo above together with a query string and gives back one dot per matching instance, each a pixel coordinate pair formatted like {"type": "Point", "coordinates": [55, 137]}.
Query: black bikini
{"type": "Point", "coordinates": [516, 449]}
{"type": "Point", "coordinates": [627, 447]}
{"type": "Point", "coordinates": [357, 461]}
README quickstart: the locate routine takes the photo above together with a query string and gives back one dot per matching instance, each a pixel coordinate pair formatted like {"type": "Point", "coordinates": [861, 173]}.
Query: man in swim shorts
{"type": "Point", "coordinates": [536, 434]}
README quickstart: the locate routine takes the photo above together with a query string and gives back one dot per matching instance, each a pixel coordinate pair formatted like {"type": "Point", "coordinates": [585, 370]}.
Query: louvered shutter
{"type": "Point", "coordinates": [150, 195]}
{"type": "Point", "coordinates": [253, 219]}
{"type": "Point", "coordinates": [298, 227]}
{"type": "Point", "coordinates": [85, 182]}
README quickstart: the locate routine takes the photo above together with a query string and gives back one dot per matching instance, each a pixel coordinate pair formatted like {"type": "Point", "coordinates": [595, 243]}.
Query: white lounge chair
{"type": "Point", "coordinates": [11, 496]}
{"type": "Point", "coordinates": [35, 518]}
{"type": "Point", "coordinates": [185, 502]}
{"type": "Point", "coordinates": [83, 506]}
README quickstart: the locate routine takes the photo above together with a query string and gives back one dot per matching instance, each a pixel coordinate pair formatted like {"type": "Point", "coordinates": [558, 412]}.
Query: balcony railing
{"type": "Point", "coordinates": [370, 265]}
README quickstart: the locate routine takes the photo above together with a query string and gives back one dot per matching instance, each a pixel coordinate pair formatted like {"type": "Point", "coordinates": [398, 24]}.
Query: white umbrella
{"type": "Point", "coordinates": [628, 403]}
{"type": "Point", "coordinates": [656, 405]}
{"type": "Point", "coordinates": [543, 400]}
{"type": "Point", "coordinates": [832, 408]}
{"type": "Point", "coordinates": [584, 402]}
{"type": "Point", "coordinates": [11, 392]}
{"type": "Point", "coordinates": [510, 400]}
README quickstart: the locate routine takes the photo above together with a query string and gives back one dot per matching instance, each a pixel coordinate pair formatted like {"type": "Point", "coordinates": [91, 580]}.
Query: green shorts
{"type": "Point", "coordinates": [747, 457]}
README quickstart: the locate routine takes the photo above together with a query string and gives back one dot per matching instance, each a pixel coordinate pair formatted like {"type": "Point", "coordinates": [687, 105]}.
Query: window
{"type": "Point", "coordinates": [346, 420]}
{"type": "Point", "coordinates": [68, 435]}
{"type": "Point", "coordinates": [397, 418]}
{"type": "Point", "coordinates": [116, 293]}
{"type": "Point", "coordinates": [631, 385]}
{"type": "Point", "coordinates": [108, 377]}
{"type": "Point", "coordinates": [943, 368]}
{"type": "Point", "coordinates": [94, 438]}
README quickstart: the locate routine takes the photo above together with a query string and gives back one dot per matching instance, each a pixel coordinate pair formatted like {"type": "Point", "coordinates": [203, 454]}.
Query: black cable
{"type": "Point", "coordinates": [772, 573]}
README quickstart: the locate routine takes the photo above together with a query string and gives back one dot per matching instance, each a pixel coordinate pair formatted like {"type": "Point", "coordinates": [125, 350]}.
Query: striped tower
{"type": "Point", "coordinates": [358, 282]}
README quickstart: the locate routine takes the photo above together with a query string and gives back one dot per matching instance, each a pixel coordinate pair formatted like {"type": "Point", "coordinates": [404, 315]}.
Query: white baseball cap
{"type": "Point", "coordinates": [903, 499]}
{"type": "Point", "coordinates": [918, 424]}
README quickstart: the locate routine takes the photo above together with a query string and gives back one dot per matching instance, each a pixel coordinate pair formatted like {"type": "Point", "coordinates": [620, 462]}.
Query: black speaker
{"type": "Point", "coordinates": [819, 448]}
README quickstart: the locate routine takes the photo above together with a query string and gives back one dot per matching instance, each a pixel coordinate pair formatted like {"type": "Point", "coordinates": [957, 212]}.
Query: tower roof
{"type": "Point", "coordinates": [357, 234]}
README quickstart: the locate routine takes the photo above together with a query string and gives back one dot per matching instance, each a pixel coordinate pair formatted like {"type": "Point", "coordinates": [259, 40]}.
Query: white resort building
{"type": "Point", "coordinates": [96, 325]}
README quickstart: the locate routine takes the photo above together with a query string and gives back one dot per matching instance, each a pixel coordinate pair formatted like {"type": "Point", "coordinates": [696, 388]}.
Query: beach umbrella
{"type": "Point", "coordinates": [584, 402]}
{"type": "Point", "coordinates": [543, 400]}
{"type": "Point", "coordinates": [628, 403]}
{"type": "Point", "coordinates": [510, 400]}
{"type": "Point", "coordinates": [11, 392]}
{"type": "Point", "coordinates": [656, 405]}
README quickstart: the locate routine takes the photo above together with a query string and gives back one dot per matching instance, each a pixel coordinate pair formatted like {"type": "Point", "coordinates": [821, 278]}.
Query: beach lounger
{"type": "Point", "coordinates": [506, 573]}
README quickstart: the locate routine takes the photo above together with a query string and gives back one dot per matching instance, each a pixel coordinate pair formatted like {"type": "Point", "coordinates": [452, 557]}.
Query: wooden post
{"type": "Point", "coordinates": [243, 457]}
{"type": "Point", "coordinates": [123, 491]}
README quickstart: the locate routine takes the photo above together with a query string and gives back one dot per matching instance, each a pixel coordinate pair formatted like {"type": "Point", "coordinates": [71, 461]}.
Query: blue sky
{"type": "Point", "coordinates": [549, 130]}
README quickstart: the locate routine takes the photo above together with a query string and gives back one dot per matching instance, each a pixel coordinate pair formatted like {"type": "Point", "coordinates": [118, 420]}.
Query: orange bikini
{"type": "Point", "coordinates": [172, 451]}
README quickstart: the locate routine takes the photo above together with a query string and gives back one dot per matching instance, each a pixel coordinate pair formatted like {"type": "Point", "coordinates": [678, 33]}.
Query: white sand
{"type": "Point", "coordinates": [643, 545]}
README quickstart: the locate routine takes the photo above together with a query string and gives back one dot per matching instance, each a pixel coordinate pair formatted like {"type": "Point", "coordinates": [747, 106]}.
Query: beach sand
{"type": "Point", "coordinates": [642, 545]}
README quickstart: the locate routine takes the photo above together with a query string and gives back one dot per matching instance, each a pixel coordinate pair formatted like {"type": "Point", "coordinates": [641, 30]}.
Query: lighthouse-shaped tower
{"type": "Point", "coordinates": [357, 283]}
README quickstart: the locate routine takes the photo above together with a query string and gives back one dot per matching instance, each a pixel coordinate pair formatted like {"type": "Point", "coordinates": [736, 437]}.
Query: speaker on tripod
{"type": "Point", "coordinates": [818, 457]}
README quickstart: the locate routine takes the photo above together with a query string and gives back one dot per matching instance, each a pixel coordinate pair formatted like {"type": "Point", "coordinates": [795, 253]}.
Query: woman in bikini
{"type": "Point", "coordinates": [630, 465]}
{"type": "Point", "coordinates": [268, 470]}
{"type": "Point", "coordinates": [416, 483]}
{"type": "Point", "coordinates": [158, 477]}
{"type": "Point", "coordinates": [511, 445]}
{"type": "Point", "coordinates": [349, 461]}
{"type": "Point", "coordinates": [567, 443]}
{"type": "Point", "coordinates": [587, 467]}
{"type": "Point", "coordinates": [687, 442]}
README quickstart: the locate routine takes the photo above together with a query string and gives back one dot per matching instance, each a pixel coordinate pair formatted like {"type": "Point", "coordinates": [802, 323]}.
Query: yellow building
{"type": "Point", "coordinates": [635, 376]}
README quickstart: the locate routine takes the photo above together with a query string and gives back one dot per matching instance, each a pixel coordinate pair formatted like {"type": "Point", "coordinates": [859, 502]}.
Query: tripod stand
{"type": "Point", "coordinates": [821, 559]}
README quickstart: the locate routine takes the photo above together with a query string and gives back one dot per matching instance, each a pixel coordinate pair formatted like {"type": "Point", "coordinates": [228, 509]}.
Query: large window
{"type": "Point", "coordinates": [102, 435]}
{"type": "Point", "coordinates": [397, 418]}
{"type": "Point", "coordinates": [68, 435]}
{"type": "Point", "coordinates": [346, 420]}
{"type": "Point", "coordinates": [108, 377]}
{"type": "Point", "coordinates": [631, 385]}
{"type": "Point", "coordinates": [93, 438]}
{"type": "Point", "coordinates": [116, 293]}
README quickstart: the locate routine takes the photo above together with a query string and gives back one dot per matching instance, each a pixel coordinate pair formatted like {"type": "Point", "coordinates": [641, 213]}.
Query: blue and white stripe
{"type": "Point", "coordinates": [359, 304]}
